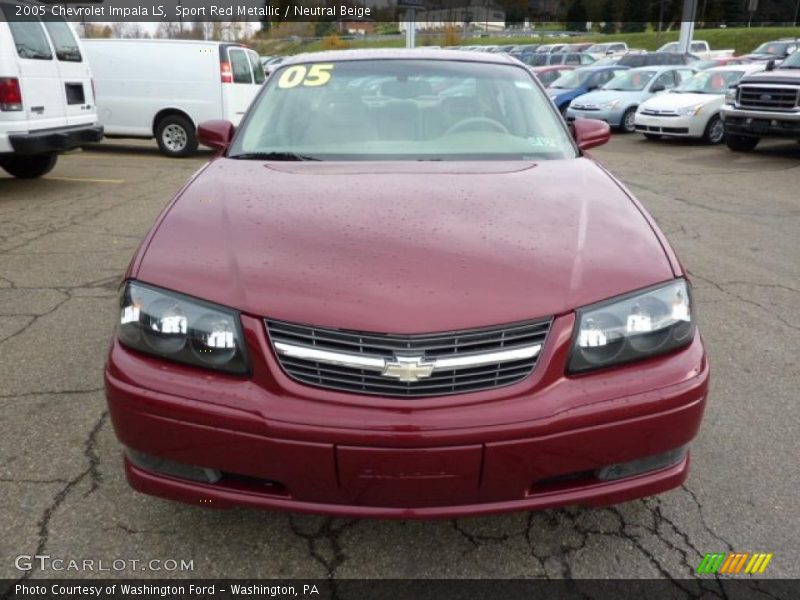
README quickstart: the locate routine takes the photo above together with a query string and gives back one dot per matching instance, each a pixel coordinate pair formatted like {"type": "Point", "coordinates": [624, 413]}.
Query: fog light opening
{"type": "Point", "coordinates": [642, 465]}
{"type": "Point", "coordinates": [172, 468]}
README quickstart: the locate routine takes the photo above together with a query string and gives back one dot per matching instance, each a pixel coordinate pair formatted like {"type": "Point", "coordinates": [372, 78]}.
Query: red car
{"type": "Point", "coordinates": [547, 75]}
{"type": "Point", "coordinates": [380, 301]}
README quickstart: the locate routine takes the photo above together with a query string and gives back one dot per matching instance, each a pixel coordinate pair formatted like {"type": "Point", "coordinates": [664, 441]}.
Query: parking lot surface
{"type": "Point", "coordinates": [65, 242]}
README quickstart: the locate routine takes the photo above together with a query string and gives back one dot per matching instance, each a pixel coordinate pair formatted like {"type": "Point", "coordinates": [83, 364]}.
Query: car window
{"type": "Point", "coordinates": [630, 81]}
{"type": "Point", "coordinates": [618, 47]}
{"type": "Point", "coordinates": [64, 41]}
{"type": "Point", "coordinates": [240, 65]}
{"type": "Point", "coordinates": [710, 82]}
{"type": "Point", "coordinates": [402, 109]}
{"type": "Point", "coordinates": [698, 47]}
{"type": "Point", "coordinates": [29, 37]}
{"type": "Point", "coordinates": [258, 70]}
{"type": "Point", "coordinates": [682, 75]}
{"type": "Point", "coordinates": [557, 59]}
{"type": "Point", "coordinates": [666, 80]}
{"type": "Point", "coordinates": [586, 59]}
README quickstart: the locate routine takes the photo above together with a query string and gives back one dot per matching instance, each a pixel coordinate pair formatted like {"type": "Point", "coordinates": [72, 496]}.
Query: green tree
{"type": "Point", "coordinates": [609, 16]}
{"type": "Point", "coordinates": [634, 16]}
{"type": "Point", "coordinates": [577, 16]}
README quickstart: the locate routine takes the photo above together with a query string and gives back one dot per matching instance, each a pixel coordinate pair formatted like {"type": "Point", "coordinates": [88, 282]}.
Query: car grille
{"type": "Point", "coordinates": [768, 98]}
{"type": "Point", "coordinates": [469, 345]}
{"type": "Point", "coordinates": [658, 113]}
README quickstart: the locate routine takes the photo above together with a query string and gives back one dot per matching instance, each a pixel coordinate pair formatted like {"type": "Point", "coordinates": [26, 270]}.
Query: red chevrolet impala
{"type": "Point", "coordinates": [402, 289]}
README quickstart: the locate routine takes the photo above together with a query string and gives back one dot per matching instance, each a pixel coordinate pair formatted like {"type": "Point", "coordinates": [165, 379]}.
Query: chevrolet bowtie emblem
{"type": "Point", "coordinates": [409, 368]}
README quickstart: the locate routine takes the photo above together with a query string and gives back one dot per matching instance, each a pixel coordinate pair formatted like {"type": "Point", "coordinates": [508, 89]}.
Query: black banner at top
{"type": "Point", "coordinates": [491, 14]}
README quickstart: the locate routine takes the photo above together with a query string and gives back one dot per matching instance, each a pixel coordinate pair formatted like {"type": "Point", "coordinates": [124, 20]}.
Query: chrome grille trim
{"type": "Point", "coordinates": [408, 365]}
{"type": "Point", "coordinates": [771, 97]}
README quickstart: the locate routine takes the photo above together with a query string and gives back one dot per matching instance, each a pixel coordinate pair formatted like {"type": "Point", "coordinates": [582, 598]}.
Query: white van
{"type": "Point", "coordinates": [166, 88]}
{"type": "Point", "coordinates": [46, 97]}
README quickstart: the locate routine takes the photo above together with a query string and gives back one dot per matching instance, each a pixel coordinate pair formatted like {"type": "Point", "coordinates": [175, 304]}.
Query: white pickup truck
{"type": "Point", "coordinates": [699, 48]}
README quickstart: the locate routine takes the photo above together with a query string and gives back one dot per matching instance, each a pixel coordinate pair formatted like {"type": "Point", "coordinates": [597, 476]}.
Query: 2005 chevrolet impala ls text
{"type": "Point", "coordinates": [402, 289]}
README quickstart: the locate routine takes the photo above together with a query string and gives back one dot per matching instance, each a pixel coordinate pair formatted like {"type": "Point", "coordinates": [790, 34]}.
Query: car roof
{"type": "Point", "coordinates": [743, 68]}
{"type": "Point", "coordinates": [402, 54]}
{"type": "Point", "coordinates": [602, 68]}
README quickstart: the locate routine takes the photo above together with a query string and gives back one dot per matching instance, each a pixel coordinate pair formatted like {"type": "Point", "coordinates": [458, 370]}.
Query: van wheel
{"type": "Point", "coordinates": [176, 136]}
{"type": "Point", "coordinates": [741, 143]}
{"type": "Point", "coordinates": [29, 167]}
{"type": "Point", "coordinates": [715, 131]}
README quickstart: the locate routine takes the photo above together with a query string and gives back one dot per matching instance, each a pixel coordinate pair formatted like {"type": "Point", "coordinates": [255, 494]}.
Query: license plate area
{"type": "Point", "coordinates": [409, 477]}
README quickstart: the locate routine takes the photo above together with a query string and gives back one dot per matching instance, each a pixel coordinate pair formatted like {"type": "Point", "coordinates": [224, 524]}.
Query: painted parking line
{"type": "Point", "coordinates": [86, 180]}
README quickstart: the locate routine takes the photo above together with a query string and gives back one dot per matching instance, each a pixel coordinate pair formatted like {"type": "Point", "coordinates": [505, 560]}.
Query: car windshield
{"type": "Point", "coordinates": [572, 80]}
{"type": "Point", "coordinates": [630, 81]}
{"type": "Point", "coordinates": [793, 62]}
{"type": "Point", "coordinates": [599, 48]}
{"type": "Point", "coordinates": [398, 109]}
{"type": "Point", "coordinates": [710, 82]}
{"type": "Point", "coordinates": [776, 48]}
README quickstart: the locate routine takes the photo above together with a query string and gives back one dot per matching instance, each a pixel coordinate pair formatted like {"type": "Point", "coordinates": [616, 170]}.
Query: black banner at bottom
{"type": "Point", "coordinates": [403, 589]}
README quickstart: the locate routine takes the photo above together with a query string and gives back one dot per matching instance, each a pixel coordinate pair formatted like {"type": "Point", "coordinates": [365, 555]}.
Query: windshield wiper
{"type": "Point", "coordinates": [287, 156]}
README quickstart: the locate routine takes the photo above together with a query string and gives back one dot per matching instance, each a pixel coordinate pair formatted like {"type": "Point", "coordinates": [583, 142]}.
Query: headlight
{"type": "Point", "coordinates": [176, 327]}
{"type": "Point", "coordinates": [730, 96]}
{"type": "Point", "coordinates": [632, 327]}
{"type": "Point", "coordinates": [691, 111]}
{"type": "Point", "coordinates": [610, 105]}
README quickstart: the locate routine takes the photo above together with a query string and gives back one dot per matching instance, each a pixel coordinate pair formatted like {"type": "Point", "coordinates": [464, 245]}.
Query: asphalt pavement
{"type": "Point", "coordinates": [66, 240]}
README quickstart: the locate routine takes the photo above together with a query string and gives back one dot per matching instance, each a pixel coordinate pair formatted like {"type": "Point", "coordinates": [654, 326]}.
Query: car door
{"type": "Point", "coordinates": [40, 83]}
{"type": "Point", "coordinates": [240, 92]}
{"type": "Point", "coordinates": [73, 69]}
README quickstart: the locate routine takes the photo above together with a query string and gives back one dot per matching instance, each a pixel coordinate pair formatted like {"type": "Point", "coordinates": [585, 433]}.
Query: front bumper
{"type": "Point", "coordinates": [761, 123]}
{"type": "Point", "coordinates": [54, 140]}
{"type": "Point", "coordinates": [534, 445]}
{"type": "Point", "coordinates": [670, 126]}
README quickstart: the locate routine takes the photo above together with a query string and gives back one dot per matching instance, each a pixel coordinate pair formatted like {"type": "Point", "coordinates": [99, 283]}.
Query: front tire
{"type": "Point", "coordinates": [715, 131]}
{"type": "Point", "coordinates": [176, 136]}
{"type": "Point", "coordinates": [741, 143]}
{"type": "Point", "coordinates": [628, 122]}
{"type": "Point", "coordinates": [29, 167]}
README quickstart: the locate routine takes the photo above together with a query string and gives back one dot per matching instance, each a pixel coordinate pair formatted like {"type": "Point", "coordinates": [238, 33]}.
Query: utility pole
{"type": "Point", "coordinates": [687, 25]}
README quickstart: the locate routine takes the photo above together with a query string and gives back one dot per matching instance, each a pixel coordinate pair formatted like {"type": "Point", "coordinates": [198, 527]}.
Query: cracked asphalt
{"type": "Point", "coordinates": [65, 242]}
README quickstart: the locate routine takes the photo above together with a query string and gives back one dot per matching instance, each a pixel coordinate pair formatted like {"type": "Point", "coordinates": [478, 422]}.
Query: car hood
{"type": "Point", "coordinates": [403, 247]}
{"type": "Point", "coordinates": [604, 96]}
{"type": "Point", "coordinates": [678, 101]}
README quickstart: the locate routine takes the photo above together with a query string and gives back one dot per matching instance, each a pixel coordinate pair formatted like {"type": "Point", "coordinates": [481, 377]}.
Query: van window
{"type": "Point", "coordinates": [258, 70]}
{"type": "Point", "coordinates": [63, 41]}
{"type": "Point", "coordinates": [242, 71]}
{"type": "Point", "coordinates": [29, 36]}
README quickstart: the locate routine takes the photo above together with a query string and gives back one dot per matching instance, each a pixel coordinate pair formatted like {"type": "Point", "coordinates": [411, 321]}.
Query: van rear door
{"type": "Point", "coordinates": [244, 81]}
{"type": "Point", "coordinates": [73, 67]}
{"type": "Point", "coordinates": [40, 83]}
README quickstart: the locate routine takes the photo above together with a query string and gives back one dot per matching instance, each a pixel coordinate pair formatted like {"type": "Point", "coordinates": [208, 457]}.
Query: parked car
{"type": "Point", "coordinates": [272, 64]}
{"type": "Point", "coordinates": [699, 48]}
{"type": "Point", "coordinates": [764, 105]}
{"type": "Point", "coordinates": [616, 102]}
{"type": "Point", "coordinates": [579, 47]}
{"type": "Point", "coordinates": [558, 58]}
{"type": "Point", "coordinates": [726, 61]}
{"type": "Point", "coordinates": [693, 108]}
{"type": "Point", "coordinates": [652, 59]}
{"type": "Point", "coordinates": [547, 75]}
{"type": "Point", "coordinates": [579, 82]}
{"type": "Point", "coordinates": [599, 51]}
{"type": "Point", "coordinates": [405, 308]}
{"type": "Point", "coordinates": [47, 104]}
{"type": "Point", "coordinates": [165, 88]}
{"type": "Point", "coordinates": [550, 48]}
{"type": "Point", "coordinates": [777, 50]}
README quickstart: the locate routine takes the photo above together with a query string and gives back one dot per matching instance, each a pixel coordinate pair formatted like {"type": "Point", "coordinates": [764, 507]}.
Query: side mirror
{"type": "Point", "coordinates": [771, 65]}
{"type": "Point", "coordinates": [658, 88]}
{"type": "Point", "coordinates": [216, 134]}
{"type": "Point", "coordinates": [609, 52]}
{"type": "Point", "coordinates": [590, 133]}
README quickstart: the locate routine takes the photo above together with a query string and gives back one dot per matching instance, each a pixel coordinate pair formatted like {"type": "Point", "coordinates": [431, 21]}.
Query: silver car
{"type": "Point", "coordinates": [616, 102]}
